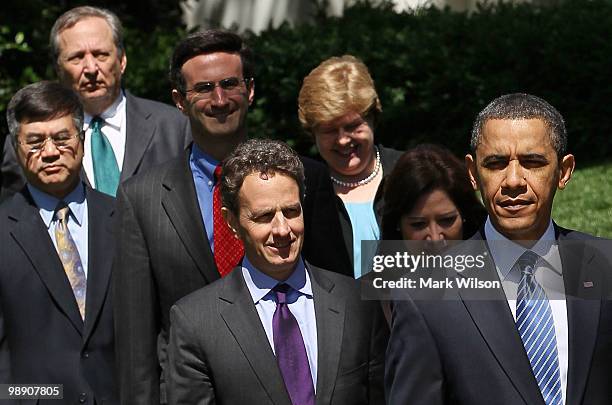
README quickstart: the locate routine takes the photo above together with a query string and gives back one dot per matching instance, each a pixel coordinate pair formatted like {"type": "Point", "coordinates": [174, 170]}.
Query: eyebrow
{"type": "Point", "coordinates": [501, 158]}
{"type": "Point", "coordinates": [444, 214]}
{"type": "Point", "coordinates": [61, 131]}
{"type": "Point", "coordinates": [265, 211]}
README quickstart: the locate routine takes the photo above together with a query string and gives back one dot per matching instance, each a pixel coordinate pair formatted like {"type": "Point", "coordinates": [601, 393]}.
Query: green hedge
{"type": "Point", "coordinates": [434, 69]}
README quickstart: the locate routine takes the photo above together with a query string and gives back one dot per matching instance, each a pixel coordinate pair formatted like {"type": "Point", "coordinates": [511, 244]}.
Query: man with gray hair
{"type": "Point", "coordinates": [125, 134]}
{"type": "Point", "coordinates": [542, 334]}
{"type": "Point", "coordinates": [56, 250]}
{"type": "Point", "coordinates": [276, 330]}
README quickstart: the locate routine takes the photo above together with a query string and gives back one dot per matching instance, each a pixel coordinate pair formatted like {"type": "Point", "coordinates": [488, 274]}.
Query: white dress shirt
{"type": "Point", "coordinates": [548, 273]}
{"type": "Point", "coordinates": [300, 303]}
{"type": "Point", "coordinates": [114, 130]}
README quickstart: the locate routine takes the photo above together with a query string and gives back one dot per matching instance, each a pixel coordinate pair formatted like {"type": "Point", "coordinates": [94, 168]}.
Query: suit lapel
{"type": "Point", "coordinates": [494, 320]}
{"type": "Point", "coordinates": [583, 307]}
{"type": "Point", "coordinates": [31, 234]}
{"type": "Point", "coordinates": [100, 259]}
{"type": "Point", "coordinates": [329, 313]}
{"type": "Point", "coordinates": [238, 311]}
{"type": "Point", "coordinates": [180, 202]}
{"type": "Point", "coordinates": [138, 135]}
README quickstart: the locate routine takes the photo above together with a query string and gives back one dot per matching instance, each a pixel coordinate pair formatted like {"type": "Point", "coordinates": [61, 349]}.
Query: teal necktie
{"type": "Point", "coordinates": [106, 170]}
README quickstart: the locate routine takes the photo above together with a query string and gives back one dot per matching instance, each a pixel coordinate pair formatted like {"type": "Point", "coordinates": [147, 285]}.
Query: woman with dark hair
{"type": "Point", "coordinates": [428, 196]}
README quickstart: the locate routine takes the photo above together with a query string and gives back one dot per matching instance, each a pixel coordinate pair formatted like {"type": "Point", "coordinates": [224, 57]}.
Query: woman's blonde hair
{"type": "Point", "coordinates": [337, 86]}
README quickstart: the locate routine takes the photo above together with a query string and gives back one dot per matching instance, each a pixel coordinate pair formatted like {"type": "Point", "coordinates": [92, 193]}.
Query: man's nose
{"type": "Point", "coordinates": [49, 149]}
{"type": "Point", "coordinates": [515, 175]}
{"type": "Point", "coordinates": [280, 225]}
{"type": "Point", "coordinates": [90, 64]}
{"type": "Point", "coordinates": [218, 97]}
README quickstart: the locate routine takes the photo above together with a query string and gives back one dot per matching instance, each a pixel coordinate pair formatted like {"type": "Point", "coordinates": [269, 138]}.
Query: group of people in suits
{"type": "Point", "coordinates": [219, 274]}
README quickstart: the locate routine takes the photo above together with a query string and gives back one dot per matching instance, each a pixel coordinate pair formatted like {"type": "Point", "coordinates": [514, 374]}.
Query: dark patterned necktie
{"type": "Point", "coordinates": [70, 258]}
{"type": "Point", "coordinates": [535, 324]}
{"type": "Point", "coordinates": [106, 170]}
{"type": "Point", "coordinates": [290, 351]}
{"type": "Point", "coordinates": [228, 249]}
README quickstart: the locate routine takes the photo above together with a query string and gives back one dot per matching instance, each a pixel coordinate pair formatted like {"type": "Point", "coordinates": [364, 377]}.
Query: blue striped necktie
{"type": "Point", "coordinates": [106, 170]}
{"type": "Point", "coordinates": [535, 324]}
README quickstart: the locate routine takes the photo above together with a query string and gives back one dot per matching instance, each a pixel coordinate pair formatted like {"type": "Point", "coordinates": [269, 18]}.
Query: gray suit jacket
{"type": "Point", "coordinates": [466, 350]}
{"type": "Point", "coordinates": [219, 352]}
{"type": "Point", "coordinates": [155, 133]}
{"type": "Point", "coordinates": [42, 336]}
{"type": "Point", "coordinates": [163, 255]}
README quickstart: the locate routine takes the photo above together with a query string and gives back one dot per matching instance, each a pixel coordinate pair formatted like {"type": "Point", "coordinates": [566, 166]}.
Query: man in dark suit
{"type": "Point", "coordinates": [56, 246]}
{"type": "Point", "coordinates": [542, 334]}
{"type": "Point", "coordinates": [276, 330]}
{"type": "Point", "coordinates": [167, 243]}
{"type": "Point", "coordinates": [125, 134]}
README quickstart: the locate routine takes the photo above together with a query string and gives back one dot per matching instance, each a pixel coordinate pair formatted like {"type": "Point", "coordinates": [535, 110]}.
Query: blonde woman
{"type": "Point", "coordinates": [339, 106]}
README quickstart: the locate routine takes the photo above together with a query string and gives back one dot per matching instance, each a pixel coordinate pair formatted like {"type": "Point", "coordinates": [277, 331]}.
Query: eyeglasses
{"type": "Point", "coordinates": [62, 141]}
{"type": "Point", "coordinates": [230, 85]}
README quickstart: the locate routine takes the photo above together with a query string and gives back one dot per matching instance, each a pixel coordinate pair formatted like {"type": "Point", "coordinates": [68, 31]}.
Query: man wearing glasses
{"type": "Point", "coordinates": [172, 238]}
{"type": "Point", "coordinates": [56, 246]}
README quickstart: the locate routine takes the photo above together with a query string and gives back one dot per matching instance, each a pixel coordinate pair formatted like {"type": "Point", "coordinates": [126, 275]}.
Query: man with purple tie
{"type": "Point", "coordinates": [276, 330]}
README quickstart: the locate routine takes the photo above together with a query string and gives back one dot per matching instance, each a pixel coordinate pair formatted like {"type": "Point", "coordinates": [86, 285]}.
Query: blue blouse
{"type": "Point", "coordinates": [365, 227]}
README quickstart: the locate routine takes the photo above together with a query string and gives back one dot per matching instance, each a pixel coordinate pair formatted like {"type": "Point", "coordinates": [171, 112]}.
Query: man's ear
{"type": "Point", "coordinates": [123, 61]}
{"type": "Point", "coordinates": [179, 100]}
{"type": "Point", "coordinates": [470, 164]}
{"type": "Point", "coordinates": [231, 220]}
{"type": "Point", "coordinates": [566, 168]}
{"type": "Point", "coordinates": [251, 89]}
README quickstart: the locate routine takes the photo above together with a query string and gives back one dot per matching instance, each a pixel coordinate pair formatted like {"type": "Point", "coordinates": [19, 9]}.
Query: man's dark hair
{"type": "Point", "coordinates": [519, 106]}
{"type": "Point", "coordinates": [205, 42]}
{"type": "Point", "coordinates": [258, 156]}
{"type": "Point", "coordinates": [40, 102]}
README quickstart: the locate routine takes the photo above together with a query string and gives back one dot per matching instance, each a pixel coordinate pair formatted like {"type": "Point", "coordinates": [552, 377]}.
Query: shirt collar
{"type": "Point", "coordinates": [47, 203]}
{"type": "Point", "coordinates": [505, 252]}
{"type": "Point", "coordinates": [202, 164]}
{"type": "Point", "coordinates": [260, 284]}
{"type": "Point", "coordinates": [112, 115]}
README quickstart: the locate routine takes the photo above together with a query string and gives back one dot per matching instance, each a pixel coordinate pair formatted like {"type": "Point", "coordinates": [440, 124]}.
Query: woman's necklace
{"type": "Point", "coordinates": [362, 181]}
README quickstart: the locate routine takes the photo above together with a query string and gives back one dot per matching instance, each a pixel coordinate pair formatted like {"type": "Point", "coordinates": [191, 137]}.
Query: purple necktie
{"type": "Point", "coordinates": [290, 351]}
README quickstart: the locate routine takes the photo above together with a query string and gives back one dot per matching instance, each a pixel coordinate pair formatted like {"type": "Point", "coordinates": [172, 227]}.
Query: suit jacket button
{"type": "Point", "coordinates": [82, 397]}
{"type": "Point", "coordinates": [86, 355]}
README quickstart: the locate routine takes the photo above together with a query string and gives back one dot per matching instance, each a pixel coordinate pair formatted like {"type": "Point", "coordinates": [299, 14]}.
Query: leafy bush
{"type": "Point", "coordinates": [436, 69]}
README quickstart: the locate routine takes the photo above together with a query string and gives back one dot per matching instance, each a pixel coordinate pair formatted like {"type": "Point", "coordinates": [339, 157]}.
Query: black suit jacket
{"type": "Point", "coordinates": [42, 336]}
{"type": "Point", "coordinates": [342, 223]}
{"type": "Point", "coordinates": [163, 255]}
{"type": "Point", "coordinates": [155, 133]}
{"type": "Point", "coordinates": [466, 350]}
{"type": "Point", "coordinates": [219, 352]}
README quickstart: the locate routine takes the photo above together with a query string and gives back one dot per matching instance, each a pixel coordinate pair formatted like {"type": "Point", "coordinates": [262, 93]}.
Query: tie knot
{"type": "Point", "coordinates": [61, 212]}
{"type": "Point", "coordinates": [527, 262]}
{"type": "Point", "coordinates": [218, 173]}
{"type": "Point", "coordinates": [96, 123]}
{"type": "Point", "coordinates": [281, 291]}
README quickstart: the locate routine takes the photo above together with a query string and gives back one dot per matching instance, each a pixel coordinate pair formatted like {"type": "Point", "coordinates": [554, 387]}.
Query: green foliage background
{"type": "Point", "coordinates": [434, 69]}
